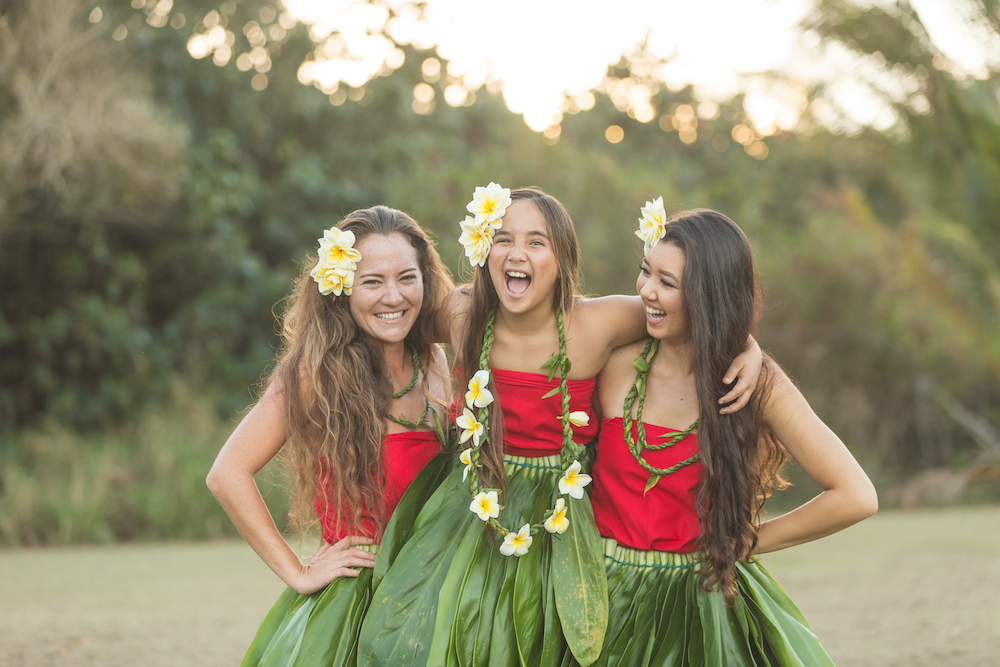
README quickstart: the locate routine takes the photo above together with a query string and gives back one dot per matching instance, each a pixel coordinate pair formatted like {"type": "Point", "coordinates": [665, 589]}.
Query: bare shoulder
{"type": "Point", "coordinates": [438, 361]}
{"type": "Point", "coordinates": [616, 319]}
{"type": "Point", "coordinates": [453, 314]}
{"type": "Point", "coordinates": [782, 399]}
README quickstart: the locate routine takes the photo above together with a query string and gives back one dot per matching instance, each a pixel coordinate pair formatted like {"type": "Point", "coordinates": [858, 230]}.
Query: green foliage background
{"type": "Point", "coordinates": [154, 209]}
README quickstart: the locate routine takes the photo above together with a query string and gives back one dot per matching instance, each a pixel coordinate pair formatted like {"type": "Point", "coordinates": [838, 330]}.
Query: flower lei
{"type": "Point", "coordinates": [418, 368]}
{"type": "Point", "coordinates": [486, 503]}
{"type": "Point", "coordinates": [338, 260]}
{"type": "Point", "coordinates": [642, 364]}
{"type": "Point", "coordinates": [652, 224]}
{"type": "Point", "coordinates": [488, 206]}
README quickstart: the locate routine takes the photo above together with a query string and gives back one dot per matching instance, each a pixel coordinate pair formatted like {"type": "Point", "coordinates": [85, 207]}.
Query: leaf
{"type": "Point", "coordinates": [551, 393]}
{"type": "Point", "coordinates": [640, 365]}
{"type": "Point", "coordinates": [577, 573]}
{"type": "Point", "coordinates": [651, 482]}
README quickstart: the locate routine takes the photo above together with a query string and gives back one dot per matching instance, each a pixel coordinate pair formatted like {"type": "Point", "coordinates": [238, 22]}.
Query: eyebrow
{"type": "Point", "coordinates": [372, 274]}
{"type": "Point", "coordinates": [645, 263]}
{"type": "Point", "coordinates": [504, 232]}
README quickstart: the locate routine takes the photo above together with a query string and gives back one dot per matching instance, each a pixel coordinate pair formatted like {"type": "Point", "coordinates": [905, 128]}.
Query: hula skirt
{"type": "Point", "coordinates": [321, 629]}
{"type": "Point", "coordinates": [449, 597]}
{"type": "Point", "coordinates": [659, 615]}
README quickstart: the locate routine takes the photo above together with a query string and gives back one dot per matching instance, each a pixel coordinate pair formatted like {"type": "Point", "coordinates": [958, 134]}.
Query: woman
{"type": "Point", "coordinates": [678, 488]}
{"type": "Point", "coordinates": [459, 591]}
{"type": "Point", "coordinates": [359, 325]}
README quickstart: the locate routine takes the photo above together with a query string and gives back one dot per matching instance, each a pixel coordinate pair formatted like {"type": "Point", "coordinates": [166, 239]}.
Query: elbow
{"type": "Point", "coordinates": [866, 502]}
{"type": "Point", "coordinates": [214, 481]}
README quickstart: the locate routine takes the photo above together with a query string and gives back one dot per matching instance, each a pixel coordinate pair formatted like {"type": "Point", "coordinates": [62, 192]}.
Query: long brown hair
{"type": "Point", "coordinates": [333, 376]}
{"type": "Point", "coordinates": [562, 234]}
{"type": "Point", "coordinates": [742, 460]}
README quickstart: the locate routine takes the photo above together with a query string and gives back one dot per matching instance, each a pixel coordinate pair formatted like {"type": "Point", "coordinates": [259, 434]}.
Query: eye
{"type": "Point", "coordinates": [644, 270]}
{"type": "Point", "coordinates": [666, 283]}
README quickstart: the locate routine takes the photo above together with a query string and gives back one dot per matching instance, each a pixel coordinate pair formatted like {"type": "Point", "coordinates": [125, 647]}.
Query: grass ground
{"type": "Point", "coordinates": [908, 589]}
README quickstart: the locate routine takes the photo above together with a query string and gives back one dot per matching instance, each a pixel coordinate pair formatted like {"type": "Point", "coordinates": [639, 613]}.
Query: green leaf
{"type": "Point", "coordinates": [551, 393]}
{"type": "Point", "coordinates": [651, 482]}
{"type": "Point", "coordinates": [577, 573]}
{"type": "Point", "coordinates": [640, 365]}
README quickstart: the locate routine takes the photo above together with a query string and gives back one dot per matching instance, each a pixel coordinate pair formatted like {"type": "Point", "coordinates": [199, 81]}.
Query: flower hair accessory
{"type": "Point", "coordinates": [338, 260]}
{"type": "Point", "coordinates": [488, 206]}
{"type": "Point", "coordinates": [652, 224]}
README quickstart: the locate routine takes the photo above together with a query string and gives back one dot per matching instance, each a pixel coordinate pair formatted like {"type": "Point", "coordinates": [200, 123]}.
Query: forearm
{"type": "Point", "coordinates": [830, 511]}
{"type": "Point", "coordinates": [239, 496]}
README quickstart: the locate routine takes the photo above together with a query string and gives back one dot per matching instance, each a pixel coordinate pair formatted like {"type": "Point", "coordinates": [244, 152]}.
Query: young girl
{"type": "Point", "coordinates": [357, 386]}
{"type": "Point", "coordinates": [519, 590]}
{"type": "Point", "coordinates": [678, 487]}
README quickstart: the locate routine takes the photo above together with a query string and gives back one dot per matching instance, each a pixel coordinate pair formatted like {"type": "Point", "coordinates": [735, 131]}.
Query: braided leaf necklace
{"type": "Point", "coordinates": [418, 368]}
{"type": "Point", "coordinates": [637, 445]}
{"type": "Point", "coordinates": [485, 502]}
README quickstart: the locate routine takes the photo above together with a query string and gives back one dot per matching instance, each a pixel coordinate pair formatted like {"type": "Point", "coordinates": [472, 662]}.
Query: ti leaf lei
{"type": "Point", "coordinates": [637, 445]}
{"type": "Point", "coordinates": [418, 368]}
{"type": "Point", "coordinates": [477, 428]}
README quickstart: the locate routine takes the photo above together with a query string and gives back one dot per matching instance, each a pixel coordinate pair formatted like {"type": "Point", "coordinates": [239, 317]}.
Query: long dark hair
{"type": "Point", "coordinates": [334, 380]}
{"type": "Point", "coordinates": [484, 298]}
{"type": "Point", "coordinates": [723, 299]}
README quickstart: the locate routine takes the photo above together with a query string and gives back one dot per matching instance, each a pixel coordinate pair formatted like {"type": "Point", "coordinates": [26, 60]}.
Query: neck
{"type": "Point", "coordinates": [395, 355]}
{"type": "Point", "coordinates": [675, 354]}
{"type": "Point", "coordinates": [527, 323]}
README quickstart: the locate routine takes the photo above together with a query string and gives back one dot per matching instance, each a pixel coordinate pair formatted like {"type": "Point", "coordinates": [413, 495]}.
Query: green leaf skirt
{"type": "Point", "coordinates": [322, 629]}
{"type": "Point", "coordinates": [449, 597]}
{"type": "Point", "coordinates": [659, 615]}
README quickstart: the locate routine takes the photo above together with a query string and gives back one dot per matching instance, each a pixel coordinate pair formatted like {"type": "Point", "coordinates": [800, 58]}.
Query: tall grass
{"type": "Point", "coordinates": [144, 480]}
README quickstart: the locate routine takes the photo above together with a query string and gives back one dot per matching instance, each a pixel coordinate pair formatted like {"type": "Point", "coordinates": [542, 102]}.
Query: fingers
{"type": "Point", "coordinates": [353, 540]}
{"type": "Point", "coordinates": [737, 398]}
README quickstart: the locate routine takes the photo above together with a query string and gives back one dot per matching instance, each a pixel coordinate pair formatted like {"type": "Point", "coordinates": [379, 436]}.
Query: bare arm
{"type": "Point", "coordinates": [255, 441]}
{"type": "Point", "coordinates": [848, 495]}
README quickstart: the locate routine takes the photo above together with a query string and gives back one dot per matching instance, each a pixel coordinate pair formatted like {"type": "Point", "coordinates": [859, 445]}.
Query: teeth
{"type": "Point", "coordinates": [517, 274]}
{"type": "Point", "coordinates": [654, 312]}
{"type": "Point", "coordinates": [389, 316]}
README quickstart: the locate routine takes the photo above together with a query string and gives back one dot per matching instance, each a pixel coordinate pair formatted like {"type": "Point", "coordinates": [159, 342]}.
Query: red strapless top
{"type": "Point", "coordinates": [666, 519]}
{"type": "Point", "coordinates": [405, 455]}
{"type": "Point", "coordinates": [531, 424]}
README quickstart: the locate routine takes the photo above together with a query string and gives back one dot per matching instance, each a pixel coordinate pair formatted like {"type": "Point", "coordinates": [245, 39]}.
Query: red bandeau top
{"type": "Point", "coordinates": [666, 518]}
{"type": "Point", "coordinates": [531, 424]}
{"type": "Point", "coordinates": [404, 456]}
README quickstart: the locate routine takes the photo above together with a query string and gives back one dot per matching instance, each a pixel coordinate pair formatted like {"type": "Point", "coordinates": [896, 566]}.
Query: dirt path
{"type": "Point", "coordinates": [901, 589]}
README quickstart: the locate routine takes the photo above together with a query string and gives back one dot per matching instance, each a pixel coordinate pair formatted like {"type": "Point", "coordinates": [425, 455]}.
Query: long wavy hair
{"type": "Point", "coordinates": [562, 234]}
{"type": "Point", "coordinates": [722, 300]}
{"type": "Point", "coordinates": [333, 375]}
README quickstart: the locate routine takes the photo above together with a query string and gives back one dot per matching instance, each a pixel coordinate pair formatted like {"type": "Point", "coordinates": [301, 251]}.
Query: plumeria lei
{"type": "Point", "coordinates": [652, 224]}
{"type": "Point", "coordinates": [488, 206]}
{"type": "Point", "coordinates": [338, 260]}
{"type": "Point", "coordinates": [486, 502]}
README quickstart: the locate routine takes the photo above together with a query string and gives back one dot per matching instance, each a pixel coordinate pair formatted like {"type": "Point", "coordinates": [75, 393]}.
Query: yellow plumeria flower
{"type": "Point", "coordinates": [478, 395]}
{"type": "Point", "coordinates": [477, 240]}
{"type": "Point", "coordinates": [573, 481]}
{"type": "Point", "coordinates": [337, 248]}
{"type": "Point", "coordinates": [652, 224]}
{"type": "Point", "coordinates": [517, 543]}
{"type": "Point", "coordinates": [471, 427]}
{"type": "Point", "coordinates": [333, 279]}
{"type": "Point", "coordinates": [579, 418]}
{"type": "Point", "coordinates": [557, 521]}
{"type": "Point", "coordinates": [466, 458]}
{"type": "Point", "coordinates": [486, 505]}
{"type": "Point", "coordinates": [489, 205]}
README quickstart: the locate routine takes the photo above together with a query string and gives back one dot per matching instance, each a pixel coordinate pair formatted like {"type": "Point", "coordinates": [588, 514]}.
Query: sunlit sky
{"type": "Point", "coordinates": [545, 55]}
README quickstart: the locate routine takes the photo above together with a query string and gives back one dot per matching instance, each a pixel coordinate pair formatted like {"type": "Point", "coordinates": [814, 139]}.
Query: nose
{"type": "Point", "coordinates": [392, 295]}
{"type": "Point", "coordinates": [646, 289]}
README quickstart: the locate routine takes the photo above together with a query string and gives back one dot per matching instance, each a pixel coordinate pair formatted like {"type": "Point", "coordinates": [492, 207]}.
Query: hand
{"type": "Point", "coordinates": [745, 369]}
{"type": "Point", "coordinates": [333, 561]}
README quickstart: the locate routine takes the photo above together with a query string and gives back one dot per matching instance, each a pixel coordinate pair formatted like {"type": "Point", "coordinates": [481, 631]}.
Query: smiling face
{"type": "Point", "coordinates": [522, 262]}
{"type": "Point", "coordinates": [659, 285]}
{"type": "Point", "coordinates": [388, 287]}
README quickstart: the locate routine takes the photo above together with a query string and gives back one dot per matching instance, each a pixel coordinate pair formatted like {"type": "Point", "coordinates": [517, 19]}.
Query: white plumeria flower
{"type": "Point", "coordinates": [337, 248]}
{"type": "Point", "coordinates": [579, 418]}
{"type": "Point", "coordinates": [485, 505]}
{"type": "Point", "coordinates": [517, 543]}
{"type": "Point", "coordinates": [489, 205]}
{"type": "Point", "coordinates": [478, 395]}
{"type": "Point", "coordinates": [466, 458]}
{"type": "Point", "coordinates": [573, 481]}
{"type": "Point", "coordinates": [652, 224]}
{"type": "Point", "coordinates": [477, 240]}
{"type": "Point", "coordinates": [471, 427]}
{"type": "Point", "coordinates": [557, 521]}
{"type": "Point", "coordinates": [335, 279]}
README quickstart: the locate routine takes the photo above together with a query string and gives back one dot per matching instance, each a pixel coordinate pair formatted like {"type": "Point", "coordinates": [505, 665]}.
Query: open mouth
{"type": "Point", "coordinates": [390, 317]}
{"type": "Point", "coordinates": [654, 313]}
{"type": "Point", "coordinates": [517, 283]}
